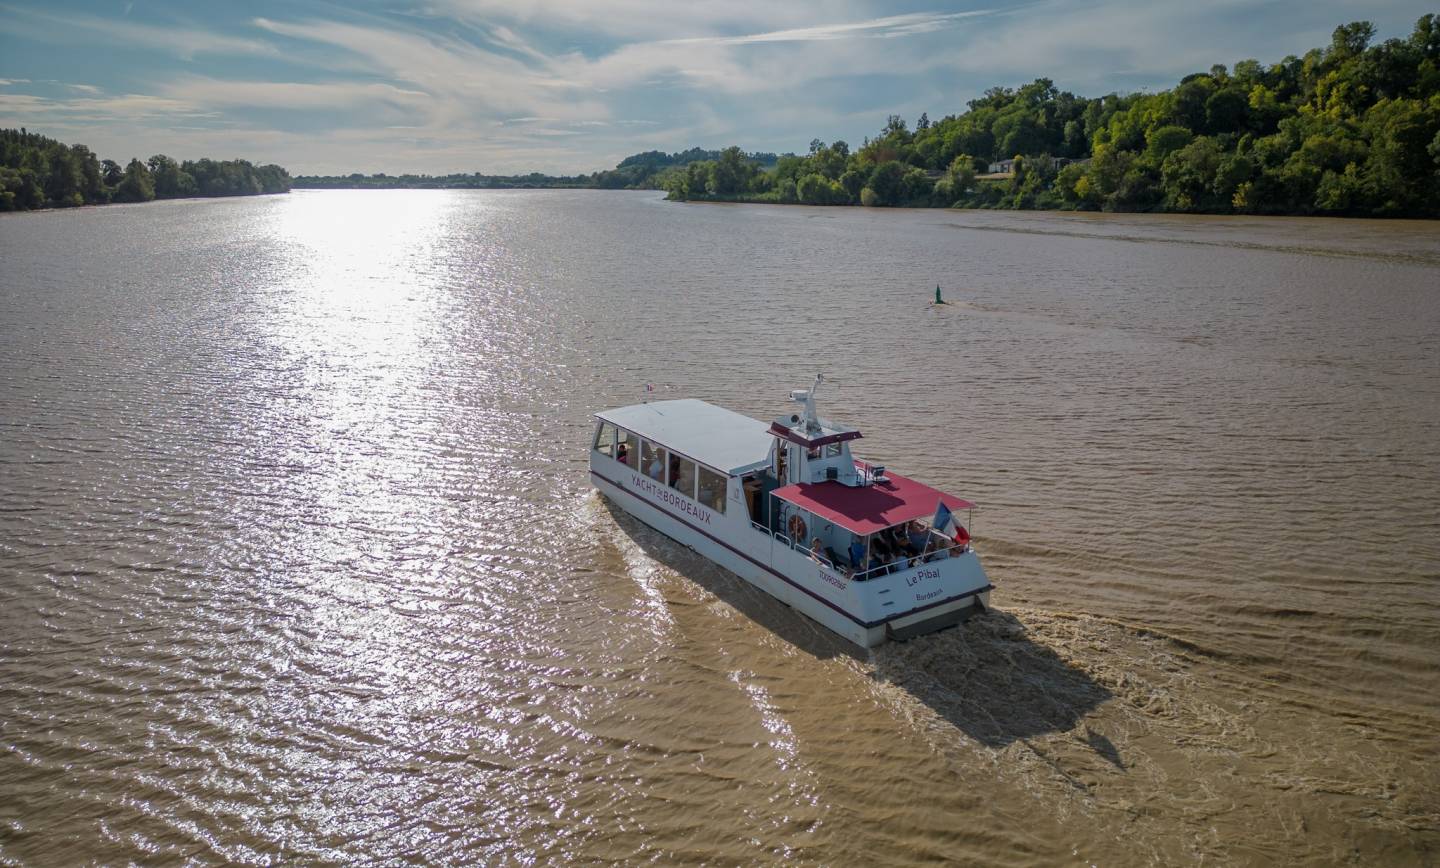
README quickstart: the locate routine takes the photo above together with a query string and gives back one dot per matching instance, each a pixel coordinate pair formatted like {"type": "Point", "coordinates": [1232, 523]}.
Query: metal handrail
{"type": "Point", "coordinates": [874, 572]}
{"type": "Point", "coordinates": [913, 561]}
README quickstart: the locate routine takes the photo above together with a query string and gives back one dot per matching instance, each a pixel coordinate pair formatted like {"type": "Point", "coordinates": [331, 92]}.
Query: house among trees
{"type": "Point", "coordinates": [1007, 167]}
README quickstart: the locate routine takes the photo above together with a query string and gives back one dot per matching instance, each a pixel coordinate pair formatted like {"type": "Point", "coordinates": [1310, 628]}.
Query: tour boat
{"type": "Point", "coordinates": [866, 552]}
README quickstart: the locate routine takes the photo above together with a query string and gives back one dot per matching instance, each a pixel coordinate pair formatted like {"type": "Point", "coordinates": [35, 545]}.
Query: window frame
{"type": "Point", "coordinates": [651, 447]}
{"type": "Point", "coordinates": [608, 449]}
{"type": "Point", "coordinates": [630, 441]}
{"type": "Point", "coordinates": [722, 493]}
{"type": "Point", "coordinates": [680, 474]}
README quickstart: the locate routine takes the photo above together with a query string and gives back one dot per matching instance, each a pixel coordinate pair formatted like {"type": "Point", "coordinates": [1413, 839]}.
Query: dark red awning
{"type": "Point", "coordinates": [867, 509]}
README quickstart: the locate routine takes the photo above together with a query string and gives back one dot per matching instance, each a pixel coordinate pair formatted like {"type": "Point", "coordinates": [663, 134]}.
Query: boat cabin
{"type": "Point", "coordinates": [794, 481]}
{"type": "Point", "coordinates": [867, 553]}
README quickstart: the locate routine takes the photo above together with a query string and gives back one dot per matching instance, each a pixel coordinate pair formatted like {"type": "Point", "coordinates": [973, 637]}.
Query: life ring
{"type": "Point", "coordinates": [797, 528]}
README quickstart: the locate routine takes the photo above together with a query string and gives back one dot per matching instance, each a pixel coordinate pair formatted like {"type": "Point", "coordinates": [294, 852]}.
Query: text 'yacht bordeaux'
{"type": "Point", "coordinates": [864, 551]}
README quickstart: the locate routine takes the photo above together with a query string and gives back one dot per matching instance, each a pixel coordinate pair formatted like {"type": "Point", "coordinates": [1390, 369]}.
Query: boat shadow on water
{"type": "Point", "coordinates": [991, 680]}
{"type": "Point", "coordinates": [987, 676]}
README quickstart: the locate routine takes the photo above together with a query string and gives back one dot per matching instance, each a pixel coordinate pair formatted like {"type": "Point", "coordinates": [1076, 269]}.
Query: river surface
{"type": "Point", "coordinates": [300, 563]}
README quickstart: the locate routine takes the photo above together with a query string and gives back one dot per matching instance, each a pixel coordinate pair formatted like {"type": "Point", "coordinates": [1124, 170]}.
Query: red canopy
{"type": "Point", "coordinates": [866, 509]}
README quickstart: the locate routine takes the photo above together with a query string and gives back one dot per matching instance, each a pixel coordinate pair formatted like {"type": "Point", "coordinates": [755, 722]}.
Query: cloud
{"type": "Point", "coordinates": [463, 80]}
{"type": "Point", "coordinates": [632, 20]}
{"type": "Point", "coordinates": [291, 95]}
{"type": "Point", "coordinates": [130, 107]}
{"type": "Point", "coordinates": [73, 28]}
{"type": "Point", "coordinates": [890, 27]}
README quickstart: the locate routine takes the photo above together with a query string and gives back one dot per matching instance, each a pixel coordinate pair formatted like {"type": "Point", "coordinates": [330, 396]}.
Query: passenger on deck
{"type": "Point", "coordinates": [881, 546]}
{"type": "Point", "coordinates": [918, 536]}
{"type": "Point", "coordinates": [894, 540]}
{"type": "Point", "coordinates": [897, 562]}
{"type": "Point", "coordinates": [857, 553]}
{"type": "Point", "coordinates": [817, 552]}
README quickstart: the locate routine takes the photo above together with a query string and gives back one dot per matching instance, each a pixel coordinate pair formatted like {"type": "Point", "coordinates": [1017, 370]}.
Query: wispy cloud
{"type": "Point", "coordinates": [463, 79]}
{"type": "Point", "coordinates": [291, 95]}
{"type": "Point", "coordinates": [79, 28]}
{"type": "Point", "coordinates": [75, 113]}
{"type": "Point", "coordinates": [890, 27]}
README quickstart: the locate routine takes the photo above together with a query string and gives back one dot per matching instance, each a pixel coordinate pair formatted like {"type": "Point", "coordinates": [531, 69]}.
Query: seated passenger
{"type": "Point", "coordinates": [816, 550]}
{"type": "Point", "coordinates": [857, 553]}
{"type": "Point", "coordinates": [622, 454]}
{"type": "Point", "coordinates": [880, 545]}
{"type": "Point", "coordinates": [919, 538]}
{"type": "Point", "coordinates": [656, 468]}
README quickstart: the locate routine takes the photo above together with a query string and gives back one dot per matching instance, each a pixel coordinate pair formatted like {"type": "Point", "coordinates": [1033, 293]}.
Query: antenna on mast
{"type": "Point", "coordinates": [807, 397]}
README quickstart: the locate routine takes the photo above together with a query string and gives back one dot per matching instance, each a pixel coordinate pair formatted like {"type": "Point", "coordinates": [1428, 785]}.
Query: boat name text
{"type": "Point", "coordinates": [921, 575]}
{"type": "Point", "coordinates": [674, 499]}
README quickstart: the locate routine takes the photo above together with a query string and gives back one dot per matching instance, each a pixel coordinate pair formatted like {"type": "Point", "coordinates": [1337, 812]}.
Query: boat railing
{"type": "Point", "coordinates": [950, 549]}
{"type": "Point", "coordinates": [795, 545]}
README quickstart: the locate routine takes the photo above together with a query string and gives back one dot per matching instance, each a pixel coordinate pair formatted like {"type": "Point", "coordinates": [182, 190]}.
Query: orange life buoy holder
{"type": "Point", "coordinates": [797, 528]}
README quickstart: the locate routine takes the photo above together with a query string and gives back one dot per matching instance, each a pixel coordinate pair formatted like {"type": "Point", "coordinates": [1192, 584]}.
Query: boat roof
{"type": "Point", "coordinates": [712, 435]}
{"type": "Point", "coordinates": [866, 509]}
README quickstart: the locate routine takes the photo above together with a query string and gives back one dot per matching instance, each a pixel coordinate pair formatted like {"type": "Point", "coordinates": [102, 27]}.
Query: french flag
{"type": "Point", "coordinates": [945, 521]}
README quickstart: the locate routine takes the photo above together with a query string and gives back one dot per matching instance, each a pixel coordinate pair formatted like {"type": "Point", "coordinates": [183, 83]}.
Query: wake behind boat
{"type": "Point", "coordinates": [866, 552]}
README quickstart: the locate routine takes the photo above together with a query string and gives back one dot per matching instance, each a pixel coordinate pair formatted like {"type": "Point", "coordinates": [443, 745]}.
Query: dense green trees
{"type": "Point", "coordinates": [1351, 128]}
{"type": "Point", "coordinates": [38, 172]}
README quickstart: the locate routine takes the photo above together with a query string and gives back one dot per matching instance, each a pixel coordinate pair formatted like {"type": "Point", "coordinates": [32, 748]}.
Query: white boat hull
{"type": "Point", "coordinates": [923, 598]}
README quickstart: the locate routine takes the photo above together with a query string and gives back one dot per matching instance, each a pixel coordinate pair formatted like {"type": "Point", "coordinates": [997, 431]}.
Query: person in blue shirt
{"type": "Point", "coordinates": [918, 536]}
{"type": "Point", "coordinates": [857, 552]}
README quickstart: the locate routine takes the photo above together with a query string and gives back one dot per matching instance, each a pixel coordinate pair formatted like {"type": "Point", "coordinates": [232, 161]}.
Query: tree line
{"type": "Point", "coordinates": [40, 172]}
{"type": "Point", "coordinates": [1351, 128]}
{"type": "Point", "coordinates": [636, 172]}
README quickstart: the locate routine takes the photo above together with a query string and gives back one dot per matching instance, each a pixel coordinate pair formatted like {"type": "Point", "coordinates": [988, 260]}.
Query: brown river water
{"type": "Point", "coordinates": [300, 563]}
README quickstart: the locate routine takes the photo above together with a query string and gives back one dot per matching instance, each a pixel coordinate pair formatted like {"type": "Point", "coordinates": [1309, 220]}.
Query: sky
{"type": "Point", "coordinates": [572, 86]}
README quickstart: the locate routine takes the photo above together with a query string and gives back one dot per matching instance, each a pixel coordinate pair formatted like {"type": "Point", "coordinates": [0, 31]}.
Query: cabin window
{"type": "Point", "coordinates": [682, 475]}
{"type": "Point", "coordinates": [652, 461]}
{"type": "Point", "coordinates": [712, 489]}
{"type": "Point", "coordinates": [626, 445]}
{"type": "Point", "coordinates": [605, 439]}
{"type": "Point", "coordinates": [812, 452]}
{"type": "Point", "coordinates": [832, 450]}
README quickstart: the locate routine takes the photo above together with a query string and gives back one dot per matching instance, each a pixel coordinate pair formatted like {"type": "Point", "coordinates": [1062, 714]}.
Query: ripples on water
{"type": "Point", "coordinates": [300, 560]}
